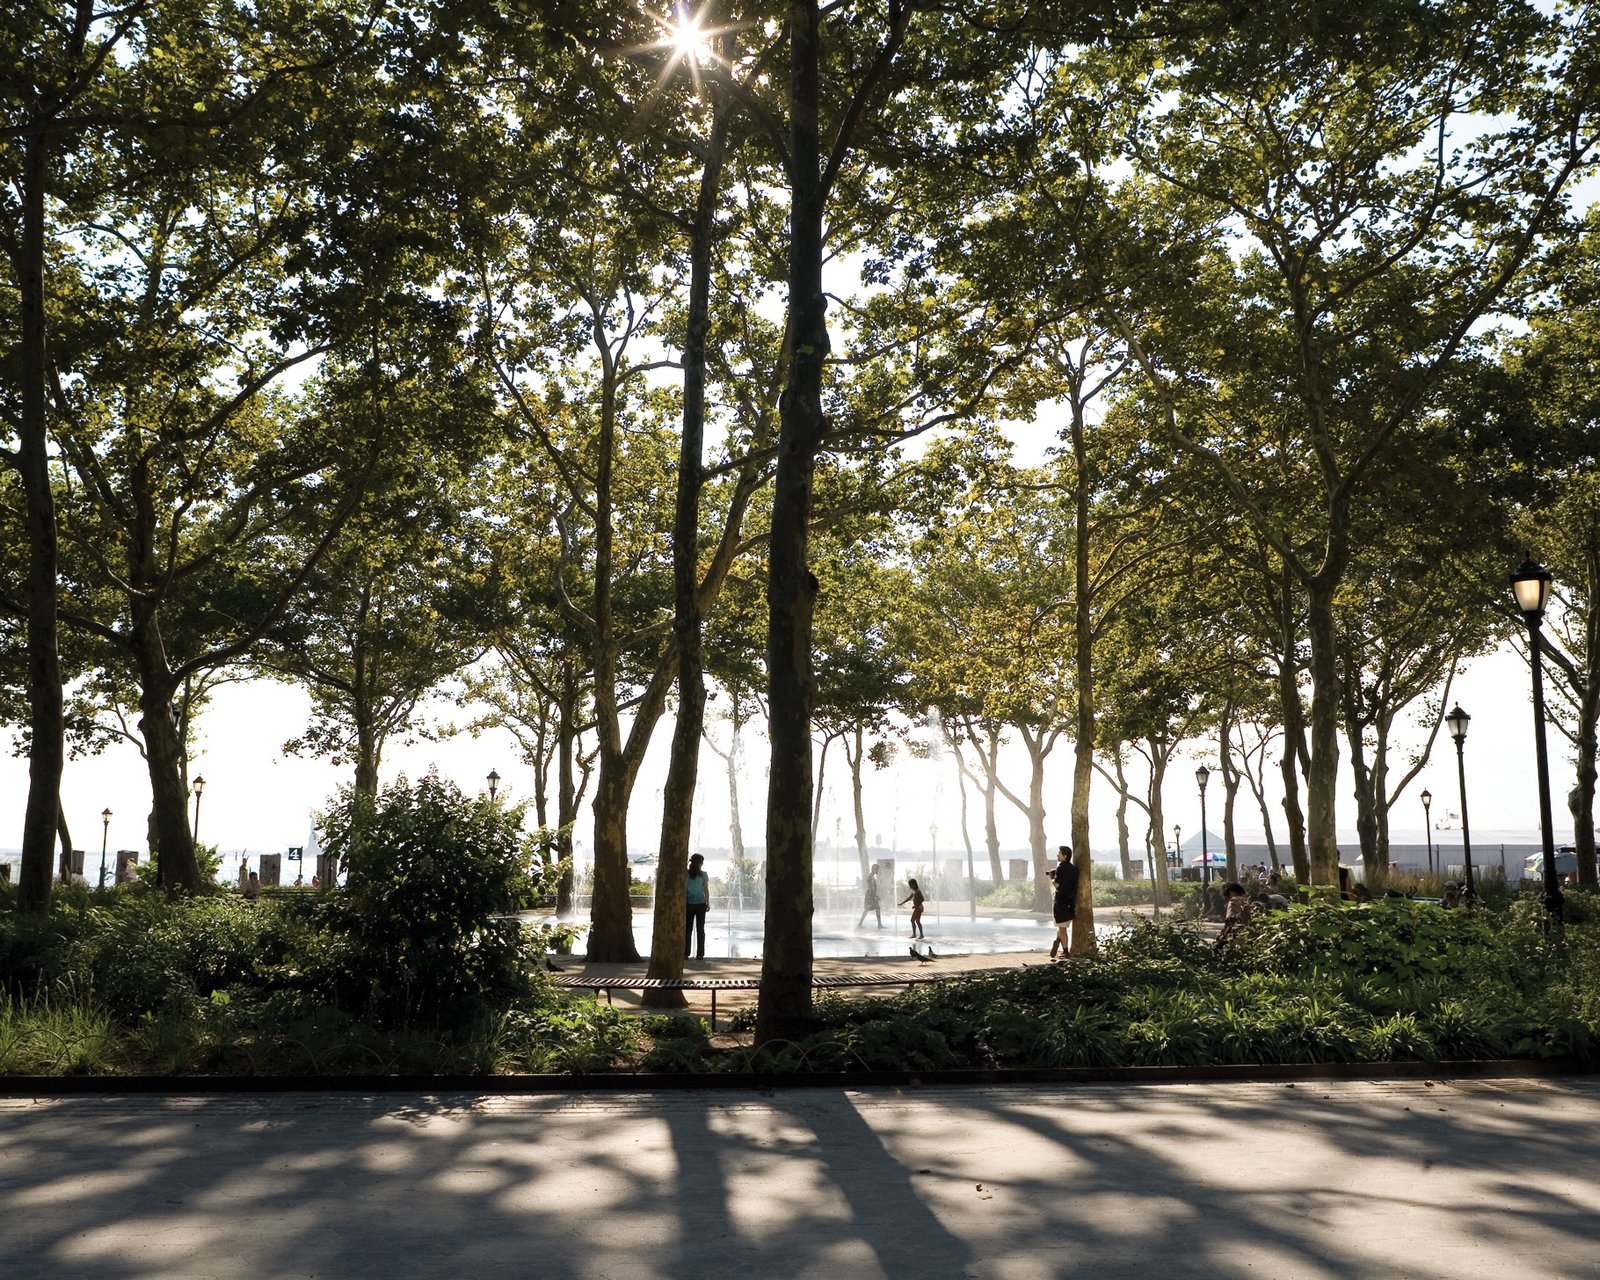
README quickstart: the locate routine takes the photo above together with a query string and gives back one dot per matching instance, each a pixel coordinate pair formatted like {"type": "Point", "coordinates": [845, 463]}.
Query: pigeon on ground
{"type": "Point", "coordinates": [917, 955]}
{"type": "Point", "coordinates": [552, 966]}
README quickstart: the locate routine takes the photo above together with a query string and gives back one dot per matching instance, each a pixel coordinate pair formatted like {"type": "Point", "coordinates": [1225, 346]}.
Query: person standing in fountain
{"type": "Point", "coordinates": [870, 901]}
{"type": "Point", "coordinates": [697, 897]}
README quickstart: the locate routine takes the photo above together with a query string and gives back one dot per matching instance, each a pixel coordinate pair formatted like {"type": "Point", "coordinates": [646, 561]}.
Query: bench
{"type": "Point", "coordinates": [830, 982]}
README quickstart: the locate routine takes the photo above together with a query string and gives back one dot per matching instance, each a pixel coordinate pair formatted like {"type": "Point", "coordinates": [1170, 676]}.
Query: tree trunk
{"type": "Point", "coordinates": [1158, 817]}
{"type": "Point", "coordinates": [668, 940]}
{"type": "Point", "coordinates": [1122, 821]}
{"type": "Point", "coordinates": [176, 867]}
{"type": "Point", "coordinates": [1322, 841]}
{"type": "Point", "coordinates": [1293, 717]}
{"type": "Point", "coordinates": [1043, 897]}
{"type": "Point", "coordinates": [735, 825]}
{"type": "Point", "coordinates": [784, 1010]}
{"type": "Point", "coordinates": [856, 801]}
{"type": "Point", "coordinates": [1230, 785]}
{"type": "Point", "coordinates": [65, 832]}
{"type": "Point", "coordinates": [611, 914]}
{"type": "Point", "coordinates": [366, 757]}
{"type": "Point", "coordinates": [1380, 791]}
{"type": "Point", "coordinates": [1588, 718]}
{"type": "Point", "coordinates": [566, 791]}
{"type": "Point", "coordinates": [1366, 793]}
{"type": "Point", "coordinates": [1083, 941]}
{"type": "Point", "coordinates": [991, 787]}
{"type": "Point", "coordinates": [47, 744]}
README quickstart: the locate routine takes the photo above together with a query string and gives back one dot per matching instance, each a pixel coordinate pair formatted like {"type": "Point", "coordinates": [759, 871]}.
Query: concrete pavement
{"type": "Point", "coordinates": [1348, 1179]}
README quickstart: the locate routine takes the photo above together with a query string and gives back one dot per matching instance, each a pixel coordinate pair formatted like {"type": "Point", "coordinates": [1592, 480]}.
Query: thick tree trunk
{"type": "Point", "coordinates": [1321, 834]}
{"type": "Point", "coordinates": [47, 746]}
{"type": "Point", "coordinates": [784, 1009]}
{"type": "Point", "coordinates": [611, 915]}
{"type": "Point", "coordinates": [366, 757]}
{"type": "Point", "coordinates": [176, 867]}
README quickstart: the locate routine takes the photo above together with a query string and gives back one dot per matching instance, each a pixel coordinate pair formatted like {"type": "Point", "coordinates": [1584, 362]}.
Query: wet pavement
{"type": "Point", "coordinates": [737, 935]}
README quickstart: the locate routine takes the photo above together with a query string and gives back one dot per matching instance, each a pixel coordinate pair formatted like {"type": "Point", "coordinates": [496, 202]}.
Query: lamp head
{"type": "Point", "coordinates": [1427, 798]}
{"type": "Point", "coordinates": [1530, 584]}
{"type": "Point", "coordinates": [1456, 722]}
{"type": "Point", "coordinates": [199, 785]}
{"type": "Point", "coordinates": [1202, 775]}
{"type": "Point", "coordinates": [105, 815]}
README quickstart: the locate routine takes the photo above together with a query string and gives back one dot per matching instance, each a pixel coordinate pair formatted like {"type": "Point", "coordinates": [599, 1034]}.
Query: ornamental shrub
{"type": "Point", "coordinates": [422, 930]}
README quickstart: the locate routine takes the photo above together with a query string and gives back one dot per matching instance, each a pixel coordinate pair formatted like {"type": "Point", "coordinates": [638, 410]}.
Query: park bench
{"type": "Point", "coordinates": [830, 982]}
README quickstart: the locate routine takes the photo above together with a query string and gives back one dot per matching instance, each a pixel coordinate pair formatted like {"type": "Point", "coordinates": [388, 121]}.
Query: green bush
{"type": "Point", "coordinates": [420, 931]}
{"type": "Point", "coordinates": [1391, 939]}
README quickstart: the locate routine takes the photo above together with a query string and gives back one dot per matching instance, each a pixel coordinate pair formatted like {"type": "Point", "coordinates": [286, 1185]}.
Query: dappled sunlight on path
{"type": "Point", "coordinates": [1337, 1179]}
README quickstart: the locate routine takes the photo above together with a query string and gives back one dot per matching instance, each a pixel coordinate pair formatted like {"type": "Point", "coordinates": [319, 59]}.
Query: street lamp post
{"type": "Point", "coordinates": [494, 783]}
{"type": "Point", "coordinates": [105, 832]}
{"type": "Point", "coordinates": [1530, 584]}
{"type": "Point", "coordinates": [199, 789]}
{"type": "Point", "coordinates": [1457, 722]}
{"type": "Point", "coordinates": [1427, 825]}
{"type": "Point", "coordinates": [1177, 844]}
{"type": "Point", "coordinates": [1202, 775]}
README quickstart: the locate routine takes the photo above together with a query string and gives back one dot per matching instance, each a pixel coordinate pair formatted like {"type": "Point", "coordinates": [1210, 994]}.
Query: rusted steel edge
{"type": "Point", "coordinates": [649, 1082]}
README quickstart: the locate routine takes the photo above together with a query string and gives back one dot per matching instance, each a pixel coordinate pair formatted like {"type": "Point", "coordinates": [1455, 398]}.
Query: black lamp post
{"type": "Point", "coordinates": [105, 832]}
{"type": "Point", "coordinates": [199, 789]}
{"type": "Point", "coordinates": [1427, 825]}
{"type": "Point", "coordinates": [1531, 586]}
{"type": "Point", "coordinates": [494, 783]}
{"type": "Point", "coordinates": [1456, 721]}
{"type": "Point", "coordinates": [1202, 775]}
{"type": "Point", "coordinates": [1177, 844]}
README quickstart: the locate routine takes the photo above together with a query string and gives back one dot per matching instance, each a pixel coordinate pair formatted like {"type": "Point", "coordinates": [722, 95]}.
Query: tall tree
{"type": "Point", "coordinates": [1373, 239]}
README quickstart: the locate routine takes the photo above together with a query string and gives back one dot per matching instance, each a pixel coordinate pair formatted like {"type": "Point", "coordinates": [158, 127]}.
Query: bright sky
{"type": "Point", "coordinates": [258, 799]}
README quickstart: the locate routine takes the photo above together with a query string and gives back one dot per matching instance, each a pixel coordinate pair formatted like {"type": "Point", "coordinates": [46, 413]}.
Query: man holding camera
{"type": "Point", "coordinates": [1065, 876]}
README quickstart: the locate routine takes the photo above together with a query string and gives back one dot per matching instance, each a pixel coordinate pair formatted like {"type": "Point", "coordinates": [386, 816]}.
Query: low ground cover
{"type": "Point", "coordinates": [1392, 981]}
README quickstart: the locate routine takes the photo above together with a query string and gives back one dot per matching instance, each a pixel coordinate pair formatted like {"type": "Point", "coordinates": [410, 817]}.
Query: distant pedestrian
{"type": "Point", "coordinates": [915, 899]}
{"type": "Point", "coordinates": [869, 901]}
{"type": "Point", "coordinates": [697, 900]}
{"type": "Point", "coordinates": [252, 887]}
{"type": "Point", "coordinates": [1452, 894]}
{"type": "Point", "coordinates": [1065, 875]}
{"type": "Point", "coordinates": [244, 872]}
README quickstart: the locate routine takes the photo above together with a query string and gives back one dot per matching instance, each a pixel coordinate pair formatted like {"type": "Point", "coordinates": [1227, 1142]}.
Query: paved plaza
{"type": "Point", "coordinates": [1402, 1178]}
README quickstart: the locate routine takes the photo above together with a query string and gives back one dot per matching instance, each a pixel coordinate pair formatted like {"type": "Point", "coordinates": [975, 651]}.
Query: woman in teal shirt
{"type": "Point", "coordinates": [697, 896]}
